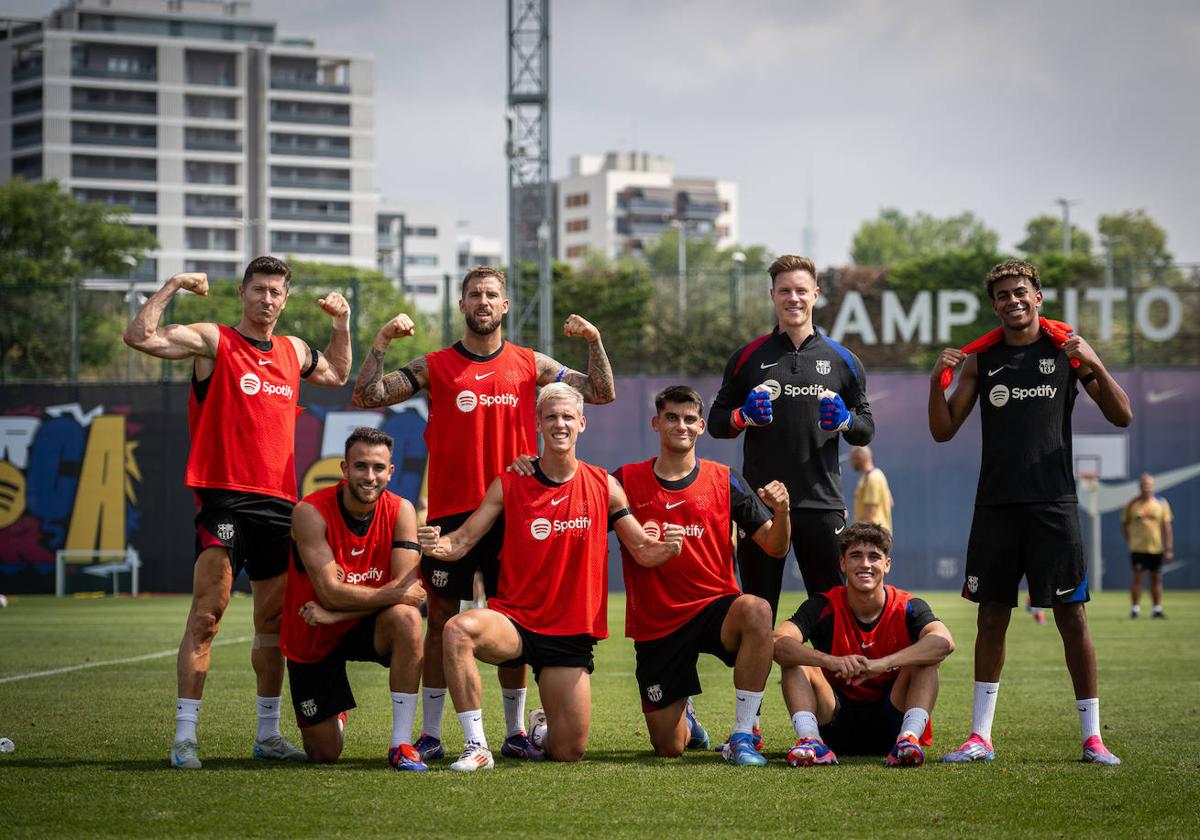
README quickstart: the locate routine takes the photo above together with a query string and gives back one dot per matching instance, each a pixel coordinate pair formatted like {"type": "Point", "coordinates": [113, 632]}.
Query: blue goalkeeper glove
{"type": "Point", "coordinates": [835, 417]}
{"type": "Point", "coordinates": [755, 411]}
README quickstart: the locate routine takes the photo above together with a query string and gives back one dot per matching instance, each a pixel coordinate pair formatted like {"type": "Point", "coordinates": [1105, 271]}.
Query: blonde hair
{"type": "Point", "coordinates": [559, 391]}
{"type": "Point", "coordinates": [791, 262]}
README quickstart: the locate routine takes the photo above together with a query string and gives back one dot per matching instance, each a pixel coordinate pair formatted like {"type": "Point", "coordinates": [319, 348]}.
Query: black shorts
{"type": "Point", "coordinates": [666, 667]}
{"type": "Point", "coordinates": [1040, 542]}
{"type": "Point", "coordinates": [455, 580]}
{"type": "Point", "coordinates": [254, 530]}
{"type": "Point", "coordinates": [1144, 560]}
{"type": "Point", "coordinates": [539, 651]}
{"type": "Point", "coordinates": [862, 727]}
{"type": "Point", "coordinates": [321, 690]}
{"type": "Point", "coordinates": [815, 547]}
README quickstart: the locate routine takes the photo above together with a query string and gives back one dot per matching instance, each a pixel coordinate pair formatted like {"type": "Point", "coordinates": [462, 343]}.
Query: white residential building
{"type": "Point", "coordinates": [615, 203]}
{"type": "Point", "coordinates": [479, 250]}
{"type": "Point", "coordinates": [224, 140]}
{"type": "Point", "coordinates": [423, 238]}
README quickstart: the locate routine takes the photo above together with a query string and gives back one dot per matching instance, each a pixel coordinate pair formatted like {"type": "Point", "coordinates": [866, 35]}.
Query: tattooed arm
{"type": "Point", "coordinates": [373, 388]}
{"type": "Point", "coordinates": [597, 384]}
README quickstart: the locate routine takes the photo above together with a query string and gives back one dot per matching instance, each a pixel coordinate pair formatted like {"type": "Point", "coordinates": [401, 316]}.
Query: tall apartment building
{"type": "Point", "coordinates": [222, 139]}
{"type": "Point", "coordinates": [616, 203]}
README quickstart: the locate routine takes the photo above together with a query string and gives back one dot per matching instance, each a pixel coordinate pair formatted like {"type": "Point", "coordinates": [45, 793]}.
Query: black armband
{"type": "Point", "coordinates": [412, 379]}
{"type": "Point", "coordinates": [407, 544]}
{"type": "Point", "coordinates": [1084, 381]}
{"type": "Point", "coordinates": [316, 357]}
{"type": "Point", "coordinates": [617, 515]}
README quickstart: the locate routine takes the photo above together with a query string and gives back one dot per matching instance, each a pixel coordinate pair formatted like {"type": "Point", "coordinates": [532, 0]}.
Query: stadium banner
{"type": "Point", "coordinates": [99, 467]}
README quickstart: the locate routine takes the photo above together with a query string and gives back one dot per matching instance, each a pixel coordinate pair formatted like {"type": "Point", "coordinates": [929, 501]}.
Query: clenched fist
{"type": "Point", "coordinates": [775, 496]}
{"type": "Point", "coordinates": [578, 326]}
{"type": "Point", "coordinates": [336, 307]}
{"type": "Point", "coordinates": [195, 282]}
{"type": "Point", "coordinates": [399, 327]}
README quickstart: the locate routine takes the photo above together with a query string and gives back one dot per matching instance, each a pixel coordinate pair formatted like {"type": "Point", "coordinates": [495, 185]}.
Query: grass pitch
{"type": "Point", "coordinates": [91, 745]}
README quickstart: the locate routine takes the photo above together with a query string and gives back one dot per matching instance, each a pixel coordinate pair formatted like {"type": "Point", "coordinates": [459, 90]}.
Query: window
{"type": "Point", "coordinates": [203, 172]}
{"type": "Point", "coordinates": [576, 251]}
{"type": "Point", "coordinates": [211, 107]}
{"type": "Point", "coordinates": [724, 206]}
{"type": "Point", "coordinates": [427, 260]}
{"type": "Point", "coordinates": [114, 100]}
{"type": "Point", "coordinates": [429, 232]}
{"type": "Point", "coordinates": [210, 239]}
{"type": "Point", "coordinates": [577, 225]}
{"type": "Point", "coordinates": [577, 200]}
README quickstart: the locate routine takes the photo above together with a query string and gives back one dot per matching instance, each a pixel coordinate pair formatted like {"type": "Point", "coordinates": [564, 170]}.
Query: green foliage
{"type": "Point", "coordinates": [1044, 236]}
{"type": "Point", "coordinates": [1136, 242]}
{"type": "Point", "coordinates": [373, 298]}
{"type": "Point", "coordinates": [48, 241]}
{"type": "Point", "coordinates": [116, 782]}
{"type": "Point", "coordinates": [895, 237]}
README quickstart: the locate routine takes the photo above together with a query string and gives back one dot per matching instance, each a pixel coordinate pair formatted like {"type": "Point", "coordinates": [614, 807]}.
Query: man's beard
{"type": "Point", "coordinates": [475, 326]}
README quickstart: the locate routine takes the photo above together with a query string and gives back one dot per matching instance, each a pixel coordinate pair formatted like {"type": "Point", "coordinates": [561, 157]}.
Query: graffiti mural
{"type": "Point", "coordinates": [69, 479]}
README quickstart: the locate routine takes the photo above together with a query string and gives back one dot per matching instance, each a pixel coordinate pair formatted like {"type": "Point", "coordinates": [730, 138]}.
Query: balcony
{"type": "Point", "coordinates": [113, 168]}
{"type": "Point", "coordinates": [303, 244]}
{"type": "Point", "coordinates": [212, 206]}
{"type": "Point", "coordinates": [114, 101]}
{"type": "Point", "coordinates": [289, 215]}
{"type": "Point", "coordinates": [210, 68]}
{"type": "Point", "coordinates": [27, 134]}
{"type": "Point", "coordinates": [310, 113]}
{"type": "Point", "coordinates": [26, 101]}
{"type": "Point", "coordinates": [123, 72]}
{"type": "Point", "coordinates": [649, 206]}
{"type": "Point", "coordinates": [145, 271]}
{"type": "Point", "coordinates": [142, 203]}
{"type": "Point", "coordinates": [313, 179]}
{"type": "Point", "coordinates": [295, 82]}
{"type": "Point", "coordinates": [642, 227]}
{"type": "Point", "coordinates": [211, 140]}
{"type": "Point", "coordinates": [310, 74]}
{"type": "Point", "coordinates": [31, 68]}
{"type": "Point", "coordinates": [328, 150]}
{"type": "Point", "coordinates": [114, 134]}
{"type": "Point", "coordinates": [211, 107]}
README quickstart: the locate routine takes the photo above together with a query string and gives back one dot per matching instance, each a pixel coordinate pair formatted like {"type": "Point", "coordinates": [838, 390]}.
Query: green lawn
{"type": "Point", "coordinates": [91, 746]}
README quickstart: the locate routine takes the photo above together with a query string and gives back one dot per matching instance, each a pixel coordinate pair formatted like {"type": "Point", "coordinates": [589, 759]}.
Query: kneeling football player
{"type": "Point", "coordinates": [875, 651]}
{"type": "Point", "coordinates": [551, 602]}
{"type": "Point", "coordinates": [352, 594]}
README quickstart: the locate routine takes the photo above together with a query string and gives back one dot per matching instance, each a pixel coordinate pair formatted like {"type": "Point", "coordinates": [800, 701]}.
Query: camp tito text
{"type": "Point", "coordinates": [1158, 314]}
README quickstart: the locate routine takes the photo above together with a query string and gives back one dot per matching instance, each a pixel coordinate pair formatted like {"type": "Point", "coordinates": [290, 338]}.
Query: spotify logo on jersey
{"type": "Point", "coordinates": [540, 528]}
{"type": "Point", "coordinates": [998, 396]}
{"type": "Point", "coordinates": [652, 529]}
{"type": "Point", "coordinates": [250, 384]}
{"type": "Point", "coordinates": [466, 401]}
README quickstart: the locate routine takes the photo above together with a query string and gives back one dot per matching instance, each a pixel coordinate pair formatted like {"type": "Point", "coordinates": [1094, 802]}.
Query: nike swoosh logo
{"type": "Point", "coordinates": [1064, 591]}
{"type": "Point", "coordinates": [354, 553]}
{"type": "Point", "coordinates": [1156, 397]}
{"type": "Point", "coordinates": [764, 365]}
{"type": "Point", "coordinates": [436, 696]}
{"type": "Point", "coordinates": [867, 645]}
{"type": "Point", "coordinates": [555, 502]}
{"type": "Point", "coordinates": [997, 370]}
{"type": "Point", "coordinates": [839, 530]}
{"type": "Point", "coordinates": [674, 505]}
{"type": "Point", "coordinates": [476, 719]}
{"type": "Point", "coordinates": [991, 691]}
{"type": "Point", "coordinates": [264, 361]}
{"type": "Point", "coordinates": [479, 376]}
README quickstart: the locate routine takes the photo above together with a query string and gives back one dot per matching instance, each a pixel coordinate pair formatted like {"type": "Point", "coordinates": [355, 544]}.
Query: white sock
{"type": "Point", "coordinates": [746, 706]}
{"type": "Point", "coordinates": [1158, 609]}
{"type": "Point", "coordinates": [805, 724]}
{"type": "Point", "coordinates": [1136, 609]}
{"type": "Point", "coordinates": [268, 717]}
{"type": "Point", "coordinates": [1089, 717]}
{"type": "Point", "coordinates": [433, 700]}
{"type": "Point", "coordinates": [404, 709]}
{"type": "Point", "coordinates": [187, 713]}
{"type": "Point", "coordinates": [514, 711]}
{"type": "Point", "coordinates": [472, 727]}
{"type": "Point", "coordinates": [985, 709]}
{"type": "Point", "coordinates": [915, 721]}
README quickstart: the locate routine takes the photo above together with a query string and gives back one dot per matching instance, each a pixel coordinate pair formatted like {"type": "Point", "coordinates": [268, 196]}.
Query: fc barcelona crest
{"type": "Point", "coordinates": [823, 366]}
{"type": "Point", "coordinates": [1046, 366]}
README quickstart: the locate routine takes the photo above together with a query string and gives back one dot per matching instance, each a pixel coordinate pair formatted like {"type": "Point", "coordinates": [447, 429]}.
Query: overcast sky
{"type": "Point", "coordinates": [993, 107]}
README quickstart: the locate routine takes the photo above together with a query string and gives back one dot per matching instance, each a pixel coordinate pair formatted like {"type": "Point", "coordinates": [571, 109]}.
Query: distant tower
{"type": "Point", "coordinates": [809, 235]}
{"type": "Point", "coordinates": [530, 191]}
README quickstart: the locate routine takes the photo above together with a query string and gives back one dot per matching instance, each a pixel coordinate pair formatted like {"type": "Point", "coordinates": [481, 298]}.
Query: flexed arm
{"type": "Point", "coordinates": [173, 341]}
{"type": "Point", "coordinates": [597, 384]}
{"type": "Point", "coordinates": [373, 387]}
{"type": "Point", "coordinates": [332, 367]}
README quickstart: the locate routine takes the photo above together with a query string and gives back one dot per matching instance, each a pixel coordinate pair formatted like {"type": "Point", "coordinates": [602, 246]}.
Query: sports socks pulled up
{"type": "Point", "coordinates": [472, 727]}
{"type": "Point", "coordinates": [187, 714]}
{"type": "Point", "coordinates": [433, 702]}
{"type": "Point", "coordinates": [984, 709]}
{"type": "Point", "coordinates": [404, 710]}
{"type": "Point", "coordinates": [267, 710]}
{"type": "Point", "coordinates": [514, 711]}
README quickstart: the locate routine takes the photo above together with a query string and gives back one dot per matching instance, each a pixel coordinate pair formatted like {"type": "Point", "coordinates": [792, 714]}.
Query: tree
{"type": "Point", "coordinates": [374, 300]}
{"type": "Point", "coordinates": [48, 241]}
{"type": "Point", "coordinates": [894, 237]}
{"type": "Point", "coordinates": [1044, 235]}
{"type": "Point", "coordinates": [1136, 242]}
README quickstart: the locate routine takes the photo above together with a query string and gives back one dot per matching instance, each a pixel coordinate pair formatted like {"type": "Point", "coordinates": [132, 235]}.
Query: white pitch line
{"type": "Point", "coordinates": [157, 655]}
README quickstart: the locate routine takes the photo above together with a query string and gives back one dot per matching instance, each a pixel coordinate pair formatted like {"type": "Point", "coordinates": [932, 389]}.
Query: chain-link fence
{"type": "Point", "coordinates": [64, 332]}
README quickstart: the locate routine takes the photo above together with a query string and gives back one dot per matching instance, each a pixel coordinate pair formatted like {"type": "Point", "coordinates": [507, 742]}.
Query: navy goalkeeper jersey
{"type": "Point", "coordinates": [793, 448]}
